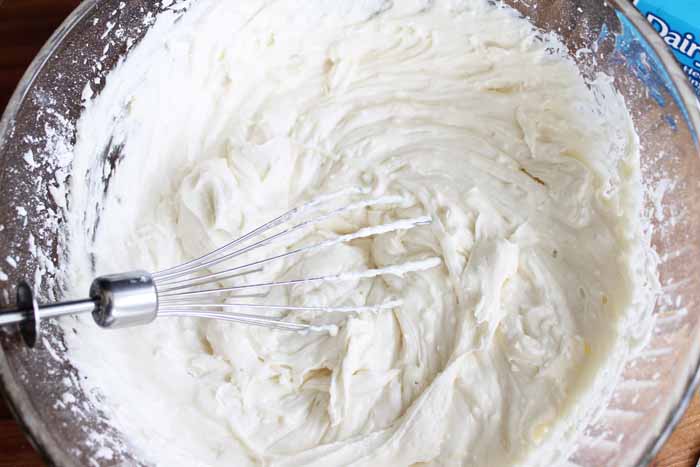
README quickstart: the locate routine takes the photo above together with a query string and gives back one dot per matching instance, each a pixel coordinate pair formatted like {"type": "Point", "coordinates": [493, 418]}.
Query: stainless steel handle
{"type": "Point", "coordinates": [117, 300]}
{"type": "Point", "coordinates": [50, 310]}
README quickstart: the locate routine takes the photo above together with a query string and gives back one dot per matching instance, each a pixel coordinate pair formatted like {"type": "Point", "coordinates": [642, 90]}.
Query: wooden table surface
{"type": "Point", "coordinates": [24, 27]}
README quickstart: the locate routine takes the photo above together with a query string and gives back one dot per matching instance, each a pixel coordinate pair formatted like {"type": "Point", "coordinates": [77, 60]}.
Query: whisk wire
{"type": "Point", "coordinates": [220, 255]}
{"type": "Point", "coordinates": [169, 286]}
{"type": "Point", "coordinates": [400, 269]}
{"type": "Point", "coordinates": [281, 219]}
{"type": "Point", "coordinates": [328, 309]}
{"type": "Point", "coordinates": [237, 318]}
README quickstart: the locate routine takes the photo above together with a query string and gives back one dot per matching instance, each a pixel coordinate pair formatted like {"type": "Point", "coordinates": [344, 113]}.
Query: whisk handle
{"type": "Point", "coordinates": [116, 300]}
{"type": "Point", "coordinates": [28, 313]}
{"type": "Point", "coordinates": [50, 310]}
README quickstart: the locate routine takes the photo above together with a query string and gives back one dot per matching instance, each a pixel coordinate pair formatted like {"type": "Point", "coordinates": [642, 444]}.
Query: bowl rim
{"type": "Point", "coordinates": [692, 104]}
{"type": "Point", "coordinates": [26, 415]}
{"type": "Point", "coordinates": [21, 408]}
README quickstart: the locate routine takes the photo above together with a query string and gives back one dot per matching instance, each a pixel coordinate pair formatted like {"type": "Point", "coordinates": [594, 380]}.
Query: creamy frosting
{"type": "Point", "coordinates": [226, 116]}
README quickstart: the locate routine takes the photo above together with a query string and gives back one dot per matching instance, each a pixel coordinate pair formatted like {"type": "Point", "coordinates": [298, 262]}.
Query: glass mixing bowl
{"type": "Point", "coordinates": [609, 37]}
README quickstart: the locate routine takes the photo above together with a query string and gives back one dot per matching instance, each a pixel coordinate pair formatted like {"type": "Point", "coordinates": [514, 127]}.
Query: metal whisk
{"type": "Point", "coordinates": [190, 289]}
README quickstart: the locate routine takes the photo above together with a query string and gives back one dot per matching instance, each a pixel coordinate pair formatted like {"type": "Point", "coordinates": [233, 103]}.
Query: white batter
{"type": "Point", "coordinates": [243, 109]}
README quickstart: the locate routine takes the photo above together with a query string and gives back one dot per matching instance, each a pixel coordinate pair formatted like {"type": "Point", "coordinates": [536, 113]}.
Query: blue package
{"type": "Point", "coordinates": [678, 22]}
